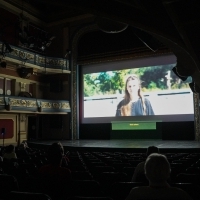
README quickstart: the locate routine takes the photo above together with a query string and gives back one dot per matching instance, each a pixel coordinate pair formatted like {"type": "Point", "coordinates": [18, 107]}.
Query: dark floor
{"type": "Point", "coordinates": [123, 145]}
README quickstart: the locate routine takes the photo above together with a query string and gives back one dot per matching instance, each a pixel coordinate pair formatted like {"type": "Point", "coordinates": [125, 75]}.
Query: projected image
{"type": "Point", "coordinates": [153, 90]}
{"type": "Point", "coordinates": [134, 104]}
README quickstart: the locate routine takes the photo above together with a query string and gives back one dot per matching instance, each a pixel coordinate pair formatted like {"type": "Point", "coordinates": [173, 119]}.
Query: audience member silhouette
{"type": "Point", "coordinates": [54, 168]}
{"type": "Point", "coordinates": [27, 148]}
{"type": "Point", "coordinates": [22, 151]}
{"type": "Point", "coordinates": [157, 171]}
{"type": "Point", "coordinates": [55, 179]}
{"type": "Point", "coordinates": [139, 175]}
{"type": "Point", "coordinates": [65, 159]}
{"type": "Point", "coordinates": [10, 152]}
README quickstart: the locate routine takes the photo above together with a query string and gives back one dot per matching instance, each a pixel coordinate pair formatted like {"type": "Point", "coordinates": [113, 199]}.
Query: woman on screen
{"type": "Point", "coordinates": [134, 104]}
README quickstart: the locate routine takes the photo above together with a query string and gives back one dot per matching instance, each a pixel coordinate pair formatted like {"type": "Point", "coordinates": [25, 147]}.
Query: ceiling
{"type": "Point", "coordinates": [175, 23]}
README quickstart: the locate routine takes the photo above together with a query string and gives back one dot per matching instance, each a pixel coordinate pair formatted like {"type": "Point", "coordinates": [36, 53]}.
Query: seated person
{"type": "Point", "coordinates": [22, 151]}
{"type": "Point", "coordinates": [10, 152]}
{"type": "Point", "coordinates": [65, 159]}
{"type": "Point", "coordinates": [157, 171]}
{"type": "Point", "coordinates": [54, 168]}
{"type": "Point", "coordinates": [55, 179]}
{"type": "Point", "coordinates": [27, 148]}
{"type": "Point", "coordinates": [138, 175]}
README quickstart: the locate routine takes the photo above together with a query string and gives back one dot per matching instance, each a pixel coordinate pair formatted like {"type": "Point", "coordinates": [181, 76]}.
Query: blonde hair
{"type": "Point", "coordinates": [126, 108]}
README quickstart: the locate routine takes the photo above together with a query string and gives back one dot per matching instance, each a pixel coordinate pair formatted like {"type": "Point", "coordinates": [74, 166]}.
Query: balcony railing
{"type": "Point", "coordinates": [34, 60]}
{"type": "Point", "coordinates": [33, 105]}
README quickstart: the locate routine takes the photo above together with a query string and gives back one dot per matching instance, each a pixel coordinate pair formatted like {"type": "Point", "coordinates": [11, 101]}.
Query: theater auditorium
{"type": "Point", "coordinates": [102, 81]}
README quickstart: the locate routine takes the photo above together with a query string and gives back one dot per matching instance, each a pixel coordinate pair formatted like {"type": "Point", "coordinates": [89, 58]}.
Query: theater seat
{"type": "Point", "coordinates": [86, 188]}
{"type": "Point", "coordinates": [188, 178]}
{"type": "Point", "coordinates": [28, 196]}
{"type": "Point", "coordinates": [89, 198]}
{"type": "Point", "coordinates": [120, 190]}
{"type": "Point", "coordinates": [190, 188]}
{"type": "Point", "coordinates": [8, 183]}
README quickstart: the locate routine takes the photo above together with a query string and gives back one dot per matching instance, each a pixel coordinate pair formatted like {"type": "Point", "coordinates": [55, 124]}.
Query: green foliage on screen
{"type": "Point", "coordinates": [111, 82]}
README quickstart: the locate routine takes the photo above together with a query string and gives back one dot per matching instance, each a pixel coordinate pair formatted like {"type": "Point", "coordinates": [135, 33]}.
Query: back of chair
{"type": "Point", "coordinates": [28, 196]}
{"type": "Point", "coordinates": [108, 178]}
{"type": "Point", "coordinates": [30, 167]}
{"type": "Point", "coordinates": [188, 178]}
{"type": "Point", "coordinates": [120, 190]}
{"type": "Point", "coordinates": [153, 199]}
{"type": "Point", "coordinates": [100, 169]}
{"type": "Point", "coordinates": [120, 166]}
{"type": "Point", "coordinates": [8, 183]}
{"type": "Point", "coordinates": [191, 189]}
{"type": "Point", "coordinates": [193, 170]}
{"type": "Point", "coordinates": [89, 198]}
{"type": "Point", "coordinates": [81, 175]}
{"type": "Point", "coordinates": [54, 187]}
{"type": "Point", "coordinates": [77, 167]}
{"type": "Point", "coordinates": [129, 171]}
{"type": "Point", "coordinates": [86, 188]}
{"type": "Point", "coordinates": [32, 184]}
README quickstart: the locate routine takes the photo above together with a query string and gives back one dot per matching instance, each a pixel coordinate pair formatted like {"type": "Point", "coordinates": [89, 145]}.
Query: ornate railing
{"type": "Point", "coordinates": [30, 105]}
{"type": "Point", "coordinates": [41, 62]}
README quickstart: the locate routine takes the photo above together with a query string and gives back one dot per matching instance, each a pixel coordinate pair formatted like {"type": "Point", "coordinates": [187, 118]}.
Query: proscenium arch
{"type": "Point", "coordinates": [74, 79]}
{"type": "Point", "coordinates": [74, 82]}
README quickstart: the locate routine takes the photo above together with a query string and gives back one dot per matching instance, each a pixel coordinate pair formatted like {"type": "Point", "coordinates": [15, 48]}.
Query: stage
{"type": "Point", "coordinates": [139, 145]}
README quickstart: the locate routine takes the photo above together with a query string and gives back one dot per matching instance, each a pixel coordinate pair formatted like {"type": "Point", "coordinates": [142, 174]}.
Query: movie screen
{"type": "Point", "coordinates": [147, 91]}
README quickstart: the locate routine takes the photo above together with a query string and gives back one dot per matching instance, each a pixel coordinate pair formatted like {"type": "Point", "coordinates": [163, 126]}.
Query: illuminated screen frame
{"type": "Point", "coordinates": [119, 65]}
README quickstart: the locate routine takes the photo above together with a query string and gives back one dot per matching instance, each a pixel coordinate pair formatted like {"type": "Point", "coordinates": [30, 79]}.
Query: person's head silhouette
{"type": "Point", "coordinates": [157, 168]}
{"type": "Point", "coordinates": [152, 149]}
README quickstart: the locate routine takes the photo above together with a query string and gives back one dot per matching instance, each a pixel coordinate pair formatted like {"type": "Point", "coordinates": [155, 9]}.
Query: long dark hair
{"type": "Point", "coordinates": [127, 95]}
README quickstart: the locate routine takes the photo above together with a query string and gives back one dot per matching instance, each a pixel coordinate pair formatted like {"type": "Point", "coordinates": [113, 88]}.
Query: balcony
{"type": "Point", "coordinates": [40, 63]}
{"type": "Point", "coordinates": [16, 104]}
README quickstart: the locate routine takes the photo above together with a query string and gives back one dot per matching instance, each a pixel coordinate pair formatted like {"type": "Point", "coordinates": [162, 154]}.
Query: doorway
{"type": "Point", "coordinates": [32, 128]}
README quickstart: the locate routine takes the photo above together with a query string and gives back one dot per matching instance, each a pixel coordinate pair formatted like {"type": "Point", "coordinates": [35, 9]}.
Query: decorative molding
{"type": "Point", "coordinates": [22, 132]}
{"type": "Point", "coordinates": [56, 63]}
{"type": "Point", "coordinates": [23, 118]}
{"type": "Point", "coordinates": [65, 105]}
{"type": "Point", "coordinates": [22, 55]}
{"type": "Point", "coordinates": [17, 102]}
{"type": "Point", "coordinates": [30, 105]}
{"type": "Point", "coordinates": [43, 63]}
{"type": "Point", "coordinates": [55, 105]}
{"type": "Point", "coordinates": [46, 105]}
{"type": "Point", "coordinates": [22, 86]}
